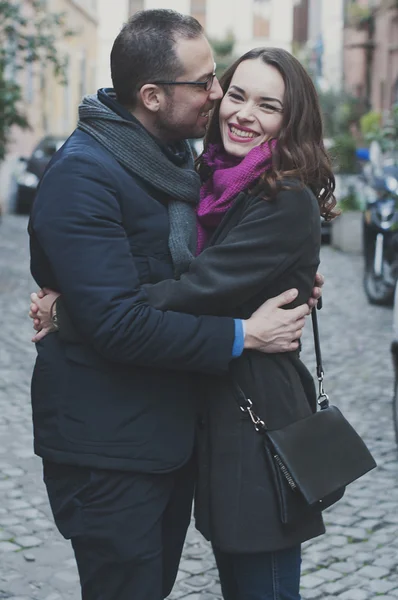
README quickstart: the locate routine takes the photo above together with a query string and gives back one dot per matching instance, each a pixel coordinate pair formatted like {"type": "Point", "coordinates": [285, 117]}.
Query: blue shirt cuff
{"type": "Point", "coordinates": [237, 348]}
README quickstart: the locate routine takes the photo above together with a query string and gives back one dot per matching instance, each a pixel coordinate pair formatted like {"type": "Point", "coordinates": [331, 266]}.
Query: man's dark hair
{"type": "Point", "coordinates": [144, 50]}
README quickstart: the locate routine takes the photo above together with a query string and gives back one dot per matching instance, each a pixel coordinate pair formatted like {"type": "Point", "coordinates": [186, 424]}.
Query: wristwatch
{"type": "Point", "coordinates": [54, 316]}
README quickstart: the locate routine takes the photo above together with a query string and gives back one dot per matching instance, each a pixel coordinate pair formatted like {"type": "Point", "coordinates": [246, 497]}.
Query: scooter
{"type": "Point", "coordinates": [380, 235]}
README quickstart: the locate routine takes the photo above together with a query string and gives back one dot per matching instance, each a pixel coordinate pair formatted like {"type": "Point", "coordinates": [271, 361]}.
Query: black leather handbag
{"type": "Point", "coordinates": [313, 459]}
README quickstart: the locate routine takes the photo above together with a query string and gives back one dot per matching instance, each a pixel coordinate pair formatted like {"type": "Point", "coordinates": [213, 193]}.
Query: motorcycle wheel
{"type": "Point", "coordinates": [377, 290]}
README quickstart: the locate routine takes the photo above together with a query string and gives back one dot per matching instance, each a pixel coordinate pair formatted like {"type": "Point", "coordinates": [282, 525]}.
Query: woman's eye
{"type": "Point", "coordinates": [235, 96]}
{"type": "Point", "coordinates": [270, 108]}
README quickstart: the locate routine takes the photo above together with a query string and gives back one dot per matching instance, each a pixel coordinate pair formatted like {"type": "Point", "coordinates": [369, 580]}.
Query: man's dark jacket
{"type": "Point", "coordinates": [124, 398]}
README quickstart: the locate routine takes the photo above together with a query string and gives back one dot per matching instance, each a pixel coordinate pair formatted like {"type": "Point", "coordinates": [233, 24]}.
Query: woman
{"type": "Point", "coordinates": [266, 179]}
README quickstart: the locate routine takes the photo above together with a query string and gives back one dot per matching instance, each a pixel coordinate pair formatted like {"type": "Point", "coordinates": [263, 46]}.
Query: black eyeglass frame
{"type": "Point", "coordinates": [207, 84]}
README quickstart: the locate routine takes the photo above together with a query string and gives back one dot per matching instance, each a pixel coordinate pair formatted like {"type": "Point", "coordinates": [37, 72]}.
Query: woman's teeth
{"type": "Point", "coordinates": [244, 134]}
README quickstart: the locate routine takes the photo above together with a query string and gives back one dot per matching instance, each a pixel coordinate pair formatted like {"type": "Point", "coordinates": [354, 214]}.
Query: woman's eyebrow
{"type": "Point", "coordinates": [265, 98]}
{"type": "Point", "coordinates": [238, 89]}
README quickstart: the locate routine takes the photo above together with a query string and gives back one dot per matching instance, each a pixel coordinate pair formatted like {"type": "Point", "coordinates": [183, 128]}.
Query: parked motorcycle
{"type": "Point", "coordinates": [380, 234]}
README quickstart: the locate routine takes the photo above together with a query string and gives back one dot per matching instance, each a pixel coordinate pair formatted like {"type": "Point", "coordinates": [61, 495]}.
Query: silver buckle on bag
{"type": "Point", "coordinates": [259, 425]}
{"type": "Point", "coordinates": [323, 398]}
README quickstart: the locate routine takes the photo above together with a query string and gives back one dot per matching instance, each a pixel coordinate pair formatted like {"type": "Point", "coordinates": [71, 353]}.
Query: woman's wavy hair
{"type": "Point", "coordinates": [300, 153]}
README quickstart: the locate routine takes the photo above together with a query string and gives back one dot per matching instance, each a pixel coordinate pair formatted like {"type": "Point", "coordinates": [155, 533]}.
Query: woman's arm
{"type": "Point", "coordinates": [255, 252]}
{"type": "Point", "coordinates": [259, 249]}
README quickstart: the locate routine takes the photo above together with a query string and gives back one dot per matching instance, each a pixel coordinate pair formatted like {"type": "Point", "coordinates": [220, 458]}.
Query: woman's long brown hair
{"type": "Point", "coordinates": [300, 153]}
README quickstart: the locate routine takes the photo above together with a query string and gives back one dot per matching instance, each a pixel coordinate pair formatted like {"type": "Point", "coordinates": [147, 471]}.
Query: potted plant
{"type": "Point", "coordinates": [347, 228]}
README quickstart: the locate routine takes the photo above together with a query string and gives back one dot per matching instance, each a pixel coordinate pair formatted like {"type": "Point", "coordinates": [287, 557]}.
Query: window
{"type": "Point", "coordinates": [261, 18]}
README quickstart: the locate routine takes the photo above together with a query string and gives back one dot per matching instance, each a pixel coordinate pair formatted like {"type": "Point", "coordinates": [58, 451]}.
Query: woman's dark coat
{"type": "Point", "coordinates": [261, 248]}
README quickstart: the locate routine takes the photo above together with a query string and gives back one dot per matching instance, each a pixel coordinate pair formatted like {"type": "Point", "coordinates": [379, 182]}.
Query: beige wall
{"type": "Point", "coordinates": [252, 22]}
{"type": "Point", "coordinates": [241, 17]}
{"type": "Point", "coordinates": [111, 17]}
{"type": "Point", "coordinates": [61, 102]}
{"type": "Point", "coordinates": [52, 108]}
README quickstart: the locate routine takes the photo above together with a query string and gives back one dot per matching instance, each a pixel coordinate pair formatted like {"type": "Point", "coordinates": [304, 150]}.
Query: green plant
{"type": "Point", "coordinates": [339, 109]}
{"type": "Point", "coordinates": [370, 123]}
{"type": "Point", "coordinates": [25, 40]}
{"type": "Point", "coordinates": [387, 134]}
{"type": "Point", "coordinates": [350, 201]}
{"type": "Point", "coordinates": [358, 15]}
{"type": "Point", "coordinates": [225, 46]}
{"type": "Point", "coordinates": [223, 52]}
{"type": "Point", "coordinates": [343, 154]}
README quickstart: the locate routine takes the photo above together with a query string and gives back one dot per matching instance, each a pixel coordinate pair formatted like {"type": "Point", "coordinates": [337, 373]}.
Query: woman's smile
{"type": "Point", "coordinates": [241, 134]}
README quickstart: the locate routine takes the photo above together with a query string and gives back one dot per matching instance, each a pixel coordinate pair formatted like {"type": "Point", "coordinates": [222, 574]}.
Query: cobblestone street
{"type": "Point", "coordinates": [358, 557]}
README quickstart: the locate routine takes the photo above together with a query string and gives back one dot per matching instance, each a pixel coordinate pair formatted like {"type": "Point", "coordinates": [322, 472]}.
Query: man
{"type": "Point", "coordinates": [114, 414]}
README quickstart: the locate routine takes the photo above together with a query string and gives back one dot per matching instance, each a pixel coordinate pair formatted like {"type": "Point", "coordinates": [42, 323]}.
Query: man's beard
{"type": "Point", "coordinates": [171, 129]}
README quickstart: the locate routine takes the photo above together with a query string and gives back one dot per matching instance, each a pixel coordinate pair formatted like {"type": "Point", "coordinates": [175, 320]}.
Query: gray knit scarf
{"type": "Point", "coordinates": [133, 147]}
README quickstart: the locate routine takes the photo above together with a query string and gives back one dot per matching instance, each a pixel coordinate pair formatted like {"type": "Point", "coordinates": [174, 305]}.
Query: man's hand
{"type": "Point", "coordinates": [40, 312]}
{"type": "Point", "coordinates": [273, 329]}
{"type": "Point", "coordinates": [317, 290]}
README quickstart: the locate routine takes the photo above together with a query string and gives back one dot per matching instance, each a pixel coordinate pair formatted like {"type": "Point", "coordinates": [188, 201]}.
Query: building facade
{"type": "Point", "coordinates": [111, 17]}
{"type": "Point", "coordinates": [371, 52]}
{"type": "Point", "coordinates": [332, 23]}
{"type": "Point", "coordinates": [351, 45]}
{"type": "Point", "coordinates": [59, 110]}
{"type": "Point", "coordinates": [318, 40]}
{"type": "Point", "coordinates": [50, 107]}
{"type": "Point", "coordinates": [252, 23]}
{"type": "Point", "coordinates": [384, 86]}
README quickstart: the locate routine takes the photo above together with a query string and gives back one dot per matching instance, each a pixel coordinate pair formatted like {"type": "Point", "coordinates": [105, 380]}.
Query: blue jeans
{"type": "Point", "coordinates": [262, 576]}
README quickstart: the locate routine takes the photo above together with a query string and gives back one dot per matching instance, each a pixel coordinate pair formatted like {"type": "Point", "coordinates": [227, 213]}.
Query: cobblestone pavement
{"type": "Point", "coordinates": [358, 557]}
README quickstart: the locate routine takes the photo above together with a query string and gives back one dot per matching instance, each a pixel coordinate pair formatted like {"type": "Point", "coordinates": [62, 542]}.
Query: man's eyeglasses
{"type": "Point", "coordinates": [207, 84]}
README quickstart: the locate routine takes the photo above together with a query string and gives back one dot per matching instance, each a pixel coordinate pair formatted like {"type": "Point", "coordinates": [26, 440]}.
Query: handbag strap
{"type": "Point", "coordinates": [246, 405]}
{"type": "Point", "coordinates": [323, 398]}
{"type": "Point", "coordinates": [317, 344]}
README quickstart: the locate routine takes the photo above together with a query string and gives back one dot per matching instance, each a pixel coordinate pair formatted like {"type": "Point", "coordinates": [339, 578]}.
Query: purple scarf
{"type": "Point", "coordinates": [230, 176]}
